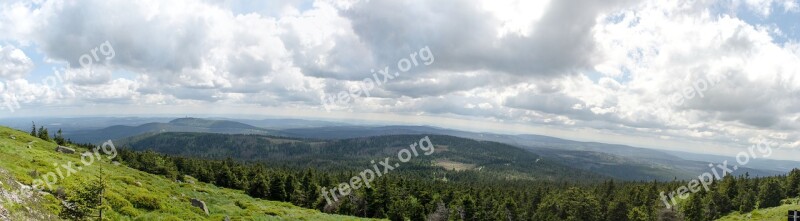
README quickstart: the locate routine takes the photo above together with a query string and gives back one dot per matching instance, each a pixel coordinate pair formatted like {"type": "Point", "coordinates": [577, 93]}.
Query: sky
{"type": "Point", "coordinates": [690, 75]}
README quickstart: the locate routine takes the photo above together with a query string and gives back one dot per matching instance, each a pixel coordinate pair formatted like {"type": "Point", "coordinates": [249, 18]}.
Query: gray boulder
{"type": "Point", "coordinates": [63, 149]}
{"type": "Point", "coordinates": [200, 204]}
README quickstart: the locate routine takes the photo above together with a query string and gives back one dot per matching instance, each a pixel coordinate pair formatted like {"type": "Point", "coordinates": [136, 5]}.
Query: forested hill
{"type": "Point", "coordinates": [450, 153]}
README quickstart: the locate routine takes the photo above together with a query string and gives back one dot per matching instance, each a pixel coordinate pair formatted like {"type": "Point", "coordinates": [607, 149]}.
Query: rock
{"type": "Point", "coordinates": [138, 183]}
{"type": "Point", "coordinates": [13, 137]}
{"type": "Point", "coordinates": [63, 149]}
{"type": "Point", "coordinates": [200, 204]}
{"type": "Point", "coordinates": [61, 193]}
{"type": "Point", "coordinates": [227, 218]}
{"type": "Point", "coordinates": [3, 213]}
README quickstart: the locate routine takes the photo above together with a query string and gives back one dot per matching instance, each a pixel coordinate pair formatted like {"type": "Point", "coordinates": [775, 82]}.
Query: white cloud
{"type": "Point", "coordinates": [604, 66]}
{"type": "Point", "coordinates": [14, 64]}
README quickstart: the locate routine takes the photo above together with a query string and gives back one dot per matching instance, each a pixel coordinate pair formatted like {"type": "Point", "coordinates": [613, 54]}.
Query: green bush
{"type": "Point", "coordinates": [243, 205]}
{"type": "Point", "coordinates": [128, 211]}
{"type": "Point", "coordinates": [116, 201]}
{"type": "Point", "coordinates": [145, 201]}
{"type": "Point", "coordinates": [126, 179]}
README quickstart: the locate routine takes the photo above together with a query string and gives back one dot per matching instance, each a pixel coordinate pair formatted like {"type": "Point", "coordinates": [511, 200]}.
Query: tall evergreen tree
{"type": "Point", "coordinates": [86, 202]}
{"type": "Point", "coordinates": [770, 194]}
{"type": "Point", "coordinates": [693, 208]}
{"type": "Point", "coordinates": [468, 209]}
{"type": "Point", "coordinates": [59, 138]}
{"type": "Point", "coordinates": [276, 189]}
{"type": "Point", "coordinates": [259, 188]}
{"type": "Point", "coordinates": [617, 210]}
{"type": "Point", "coordinates": [792, 185]}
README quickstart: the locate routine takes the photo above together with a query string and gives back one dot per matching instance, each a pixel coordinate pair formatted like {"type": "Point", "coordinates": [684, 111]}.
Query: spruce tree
{"type": "Point", "coordinates": [770, 194]}
{"type": "Point", "coordinates": [86, 202]}
{"type": "Point", "coordinates": [259, 188]}
{"type": "Point", "coordinates": [276, 189]}
{"type": "Point", "coordinates": [59, 138]}
{"type": "Point", "coordinates": [792, 185]}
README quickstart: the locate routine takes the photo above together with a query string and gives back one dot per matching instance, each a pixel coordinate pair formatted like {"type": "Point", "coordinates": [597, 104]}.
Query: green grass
{"type": "Point", "coordinates": [156, 199]}
{"type": "Point", "coordinates": [772, 213]}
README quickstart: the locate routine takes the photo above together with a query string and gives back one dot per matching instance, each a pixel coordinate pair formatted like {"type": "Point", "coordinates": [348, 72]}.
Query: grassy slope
{"type": "Point", "coordinates": [772, 213]}
{"type": "Point", "coordinates": [17, 161]}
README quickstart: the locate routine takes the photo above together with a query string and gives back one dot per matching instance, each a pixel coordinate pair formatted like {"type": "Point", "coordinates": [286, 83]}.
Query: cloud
{"type": "Point", "coordinates": [14, 64]}
{"type": "Point", "coordinates": [610, 66]}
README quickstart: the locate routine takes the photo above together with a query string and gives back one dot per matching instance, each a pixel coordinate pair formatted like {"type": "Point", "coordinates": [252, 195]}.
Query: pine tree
{"type": "Point", "coordinates": [309, 189]}
{"type": "Point", "coordinates": [259, 188]}
{"type": "Point", "coordinates": [33, 130]}
{"type": "Point", "coordinates": [276, 189]}
{"type": "Point", "coordinates": [693, 209]}
{"type": "Point", "coordinates": [86, 202]}
{"type": "Point", "coordinates": [792, 185]}
{"type": "Point", "coordinates": [468, 209]}
{"type": "Point", "coordinates": [638, 213]}
{"type": "Point", "coordinates": [289, 188]}
{"type": "Point", "coordinates": [43, 134]}
{"type": "Point", "coordinates": [618, 210]}
{"type": "Point", "coordinates": [509, 210]}
{"type": "Point", "coordinates": [59, 138]}
{"type": "Point", "coordinates": [716, 205]}
{"type": "Point", "coordinates": [770, 194]}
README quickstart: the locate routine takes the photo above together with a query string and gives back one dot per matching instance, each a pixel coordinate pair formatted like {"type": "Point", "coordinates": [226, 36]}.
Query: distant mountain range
{"type": "Point", "coordinates": [617, 161]}
{"type": "Point", "coordinates": [176, 125]}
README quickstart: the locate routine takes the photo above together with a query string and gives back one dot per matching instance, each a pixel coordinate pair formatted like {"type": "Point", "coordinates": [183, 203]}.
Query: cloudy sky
{"type": "Point", "coordinates": [695, 75]}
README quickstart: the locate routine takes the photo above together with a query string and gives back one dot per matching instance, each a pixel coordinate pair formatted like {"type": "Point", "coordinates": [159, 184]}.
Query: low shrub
{"type": "Point", "coordinates": [145, 201]}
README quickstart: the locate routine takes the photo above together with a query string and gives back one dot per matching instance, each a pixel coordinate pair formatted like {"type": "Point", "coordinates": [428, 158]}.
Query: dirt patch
{"type": "Point", "coordinates": [452, 165]}
{"type": "Point", "coordinates": [281, 141]}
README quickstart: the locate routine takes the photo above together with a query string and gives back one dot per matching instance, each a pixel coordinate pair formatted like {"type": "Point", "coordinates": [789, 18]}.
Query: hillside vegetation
{"type": "Point", "coordinates": [129, 194]}
{"type": "Point", "coordinates": [482, 180]}
{"type": "Point", "coordinates": [489, 159]}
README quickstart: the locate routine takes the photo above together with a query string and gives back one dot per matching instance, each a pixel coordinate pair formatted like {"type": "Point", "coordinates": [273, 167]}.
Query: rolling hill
{"type": "Point", "coordinates": [612, 160]}
{"type": "Point", "coordinates": [483, 157]}
{"type": "Point", "coordinates": [176, 125]}
{"type": "Point", "coordinates": [130, 194]}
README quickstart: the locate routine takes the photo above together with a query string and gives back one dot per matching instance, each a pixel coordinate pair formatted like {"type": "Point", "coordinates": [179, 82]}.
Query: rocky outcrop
{"type": "Point", "coordinates": [200, 204]}
{"type": "Point", "coordinates": [63, 149]}
{"type": "Point", "coordinates": [26, 201]}
{"type": "Point", "coordinates": [3, 213]}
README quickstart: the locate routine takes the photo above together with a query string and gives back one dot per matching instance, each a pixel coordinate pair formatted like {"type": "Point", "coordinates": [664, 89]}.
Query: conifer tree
{"type": "Point", "coordinates": [276, 189]}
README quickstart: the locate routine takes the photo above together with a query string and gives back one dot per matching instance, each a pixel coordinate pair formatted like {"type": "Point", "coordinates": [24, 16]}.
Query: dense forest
{"type": "Point", "coordinates": [424, 191]}
{"type": "Point", "coordinates": [418, 192]}
{"type": "Point", "coordinates": [496, 160]}
{"type": "Point", "coordinates": [415, 196]}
